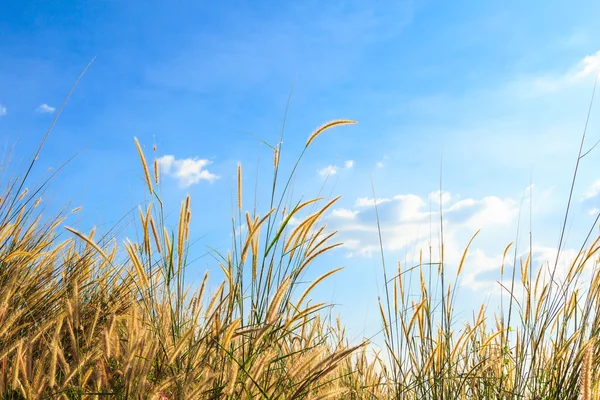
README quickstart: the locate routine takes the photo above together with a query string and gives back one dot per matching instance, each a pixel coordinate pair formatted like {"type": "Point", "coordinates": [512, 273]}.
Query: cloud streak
{"type": "Point", "coordinates": [45, 109]}
{"type": "Point", "coordinates": [344, 213]}
{"type": "Point", "coordinates": [593, 191]}
{"type": "Point", "coordinates": [545, 83]}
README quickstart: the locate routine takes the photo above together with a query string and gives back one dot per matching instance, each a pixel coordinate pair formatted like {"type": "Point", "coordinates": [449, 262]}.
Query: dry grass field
{"type": "Point", "coordinates": [85, 317]}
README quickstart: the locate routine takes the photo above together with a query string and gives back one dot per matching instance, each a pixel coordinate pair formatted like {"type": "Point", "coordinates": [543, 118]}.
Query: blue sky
{"type": "Point", "coordinates": [497, 91]}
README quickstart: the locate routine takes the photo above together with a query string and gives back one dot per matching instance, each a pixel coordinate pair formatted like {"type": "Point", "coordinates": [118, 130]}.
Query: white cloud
{"type": "Point", "coordinates": [590, 65]}
{"type": "Point", "coordinates": [2, 110]}
{"type": "Point", "coordinates": [344, 213]}
{"type": "Point", "coordinates": [462, 204]}
{"type": "Point", "coordinates": [369, 202]}
{"type": "Point", "coordinates": [535, 85]}
{"type": "Point", "coordinates": [494, 211]}
{"type": "Point", "coordinates": [410, 208]}
{"type": "Point", "coordinates": [333, 169]}
{"type": "Point", "coordinates": [379, 164]}
{"type": "Point", "coordinates": [45, 109]}
{"type": "Point", "coordinates": [408, 226]}
{"type": "Point", "coordinates": [593, 191]}
{"type": "Point", "coordinates": [294, 221]}
{"type": "Point", "coordinates": [594, 211]}
{"type": "Point", "coordinates": [188, 171]}
{"type": "Point", "coordinates": [329, 170]}
{"type": "Point", "coordinates": [546, 256]}
{"type": "Point", "coordinates": [434, 197]}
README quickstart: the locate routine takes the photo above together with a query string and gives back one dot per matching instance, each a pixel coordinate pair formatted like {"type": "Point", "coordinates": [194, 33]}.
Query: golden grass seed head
{"type": "Point", "coordinates": [144, 165]}
{"type": "Point", "coordinates": [22, 195]}
{"type": "Point", "coordinates": [585, 380]}
{"type": "Point", "coordinates": [326, 126]}
{"type": "Point", "coordinates": [276, 158]}
{"type": "Point", "coordinates": [156, 172]}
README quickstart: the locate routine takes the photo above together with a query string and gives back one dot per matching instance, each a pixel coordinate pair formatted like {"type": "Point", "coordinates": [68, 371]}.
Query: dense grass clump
{"type": "Point", "coordinates": [81, 317]}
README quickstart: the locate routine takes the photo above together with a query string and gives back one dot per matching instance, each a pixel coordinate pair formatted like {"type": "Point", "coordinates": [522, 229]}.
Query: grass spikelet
{"type": "Point", "coordinates": [140, 273]}
{"type": "Point", "coordinates": [156, 172]}
{"type": "Point", "coordinates": [89, 241]}
{"type": "Point", "coordinates": [315, 283]}
{"type": "Point", "coordinates": [276, 158]}
{"type": "Point", "coordinates": [383, 319]}
{"type": "Point", "coordinates": [155, 234]}
{"type": "Point", "coordinates": [255, 254]}
{"type": "Point", "coordinates": [585, 383]}
{"type": "Point", "coordinates": [22, 195]}
{"type": "Point", "coordinates": [167, 240]}
{"type": "Point", "coordinates": [504, 258]}
{"type": "Point", "coordinates": [54, 347]}
{"type": "Point", "coordinates": [301, 368]}
{"type": "Point", "coordinates": [315, 255]}
{"type": "Point", "coordinates": [230, 331]}
{"type": "Point", "coordinates": [239, 186]}
{"type": "Point", "coordinates": [300, 231]}
{"type": "Point", "coordinates": [464, 256]}
{"type": "Point", "coordinates": [232, 378]}
{"type": "Point", "coordinates": [144, 165]}
{"type": "Point", "coordinates": [276, 302]}
{"type": "Point", "coordinates": [326, 126]}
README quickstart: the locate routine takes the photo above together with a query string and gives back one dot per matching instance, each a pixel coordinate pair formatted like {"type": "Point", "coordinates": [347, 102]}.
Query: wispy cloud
{"type": "Point", "coordinates": [461, 204]}
{"type": "Point", "coordinates": [329, 170]}
{"type": "Point", "coordinates": [2, 110]}
{"type": "Point", "coordinates": [349, 164]}
{"type": "Point", "coordinates": [187, 171]}
{"type": "Point", "coordinates": [381, 164]}
{"type": "Point", "coordinates": [593, 191]}
{"type": "Point", "coordinates": [587, 67]}
{"type": "Point", "coordinates": [45, 109]}
{"type": "Point", "coordinates": [370, 202]}
{"type": "Point", "coordinates": [574, 40]}
{"type": "Point", "coordinates": [344, 213]}
{"type": "Point", "coordinates": [493, 211]}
